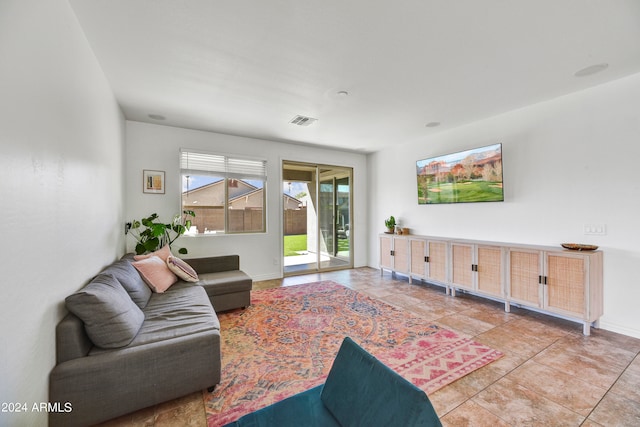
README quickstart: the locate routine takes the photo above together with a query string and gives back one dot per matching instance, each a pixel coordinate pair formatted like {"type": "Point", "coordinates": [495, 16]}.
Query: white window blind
{"type": "Point", "coordinates": [200, 163]}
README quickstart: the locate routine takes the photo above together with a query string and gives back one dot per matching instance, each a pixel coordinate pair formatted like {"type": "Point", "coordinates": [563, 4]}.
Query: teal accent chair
{"type": "Point", "coordinates": [359, 391]}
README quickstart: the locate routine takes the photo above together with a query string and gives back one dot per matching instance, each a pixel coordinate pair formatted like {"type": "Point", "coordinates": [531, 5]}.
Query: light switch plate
{"type": "Point", "coordinates": [595, 229]}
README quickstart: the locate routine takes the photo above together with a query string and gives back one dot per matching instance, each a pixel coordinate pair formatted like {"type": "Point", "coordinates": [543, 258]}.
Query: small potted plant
{"type": "Point", "coordinates": [390, 223]}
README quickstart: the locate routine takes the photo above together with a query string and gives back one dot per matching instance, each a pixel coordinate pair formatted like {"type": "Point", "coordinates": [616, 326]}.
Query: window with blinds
{"type": "Point", "coordinates": [226, 193]}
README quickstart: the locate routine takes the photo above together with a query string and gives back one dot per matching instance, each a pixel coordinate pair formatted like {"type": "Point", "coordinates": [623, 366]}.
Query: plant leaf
{"type": "Point", "coordinates": [152, 244]}
{"type": "Point", "coordinates": [158, 229]}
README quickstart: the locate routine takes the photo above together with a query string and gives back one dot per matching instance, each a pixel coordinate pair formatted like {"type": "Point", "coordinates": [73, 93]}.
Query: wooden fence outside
{"type": "Point", "coordinates": [211, 218]}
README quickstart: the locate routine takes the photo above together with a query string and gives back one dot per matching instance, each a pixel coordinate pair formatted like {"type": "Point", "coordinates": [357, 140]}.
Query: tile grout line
{"type": "Point", "coordinates": [611, 387]}
{"type": "Point", "coordinates": [509, 372]}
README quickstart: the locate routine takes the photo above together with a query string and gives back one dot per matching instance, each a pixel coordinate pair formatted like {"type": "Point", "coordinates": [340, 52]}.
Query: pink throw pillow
{"type": "Point", "coordinates": [155, 273]}
{"type": "Point", "coordinates": [163, 253]}
{"type": "Point", "coordinates": [181, 269]}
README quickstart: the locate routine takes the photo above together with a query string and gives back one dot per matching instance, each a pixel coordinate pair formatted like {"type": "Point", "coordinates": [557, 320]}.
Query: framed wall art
{"type": "Point", "coordinates": [153, 182]}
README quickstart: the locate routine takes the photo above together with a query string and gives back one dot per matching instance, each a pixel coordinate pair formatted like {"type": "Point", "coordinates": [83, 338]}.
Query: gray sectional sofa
{"type": "Point", "coordinates": [123, 348]}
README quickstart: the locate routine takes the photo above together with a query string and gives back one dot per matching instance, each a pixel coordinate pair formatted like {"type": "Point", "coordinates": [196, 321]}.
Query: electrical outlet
{"type": "Point", "coordinates": [595, 229]}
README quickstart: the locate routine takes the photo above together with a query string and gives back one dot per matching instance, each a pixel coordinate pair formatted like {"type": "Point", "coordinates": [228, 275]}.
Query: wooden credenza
{"type": "Point", "coordinates": [551, 280]}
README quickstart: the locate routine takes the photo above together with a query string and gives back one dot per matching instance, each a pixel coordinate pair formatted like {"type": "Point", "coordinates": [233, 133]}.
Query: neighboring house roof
{"type": "Point", "coordinates": [241, 195]}
{"type": "Point", "coordinates": [291, 202]}
{"type": "Point", "coordinates": [251, 199]}
{"type": "Point", "coordinates": [213, 194]}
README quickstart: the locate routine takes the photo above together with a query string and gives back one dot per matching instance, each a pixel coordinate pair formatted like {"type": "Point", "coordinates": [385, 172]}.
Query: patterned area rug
{"type": "Point", "coordinates": [285, 343]}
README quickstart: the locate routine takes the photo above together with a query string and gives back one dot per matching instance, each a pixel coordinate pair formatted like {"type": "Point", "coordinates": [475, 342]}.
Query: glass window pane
{"type": "Point", "coordinates": [205, 196]}
{"type": "Point", "coordinates": [246, 206]}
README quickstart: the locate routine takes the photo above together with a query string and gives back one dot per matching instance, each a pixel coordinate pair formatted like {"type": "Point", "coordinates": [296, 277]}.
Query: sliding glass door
{"type": "Point", "coordinates": [334, 212]}
{"type": "Point", "coordinates": [316, 217]}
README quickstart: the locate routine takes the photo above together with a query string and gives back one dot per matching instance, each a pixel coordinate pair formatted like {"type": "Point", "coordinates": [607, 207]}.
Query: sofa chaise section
{"type": "Point", "coordinates": [227, 286]}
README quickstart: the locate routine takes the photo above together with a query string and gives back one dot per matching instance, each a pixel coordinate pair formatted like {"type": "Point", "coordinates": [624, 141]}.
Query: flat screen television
{"type": "Point", "coordinates": [464, 177]}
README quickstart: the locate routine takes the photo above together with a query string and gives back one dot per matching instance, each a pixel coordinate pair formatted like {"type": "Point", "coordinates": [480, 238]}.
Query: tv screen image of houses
{"type": "Point", "coordinates": [464, 177]}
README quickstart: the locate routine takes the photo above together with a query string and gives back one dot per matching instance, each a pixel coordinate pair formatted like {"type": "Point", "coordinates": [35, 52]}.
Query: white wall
{"type": "Point", "coordinates": [61, 188]}
{"type": "Point", "coordinates": [567, 162]}
{"type": "Point", "coordinates": [157, 147]}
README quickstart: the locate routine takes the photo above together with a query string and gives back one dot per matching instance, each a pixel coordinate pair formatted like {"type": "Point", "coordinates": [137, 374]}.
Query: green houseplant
{"type": "Point", "coordinates": [390, 223]}
{"type": "Point", "coordinates": [152, 234]}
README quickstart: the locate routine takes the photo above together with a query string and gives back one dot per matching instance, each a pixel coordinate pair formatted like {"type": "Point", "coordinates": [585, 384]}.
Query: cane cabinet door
{"type": "Point", "coordinates": [418, 258]}
{"type": "Point", "coordinates": [573, 285]}
{"type": "Point", "coordinates": [386, 246]}
{"type": "Point", "coordinates": [565, 283]}
{"type": "Point", "coordinates": [489, 270]}
{"type": "Point", "coordinates": [401, 254]}
{"type": "Point", "coordinates": [462, 262]}
{"type": "Point", "coordinates": [437, 261]}
{"type": "Point", "coordinates": [524, 277]}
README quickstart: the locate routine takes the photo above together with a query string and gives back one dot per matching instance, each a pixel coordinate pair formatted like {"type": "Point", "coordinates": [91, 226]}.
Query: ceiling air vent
{"type": "Point", "coordinates": [303, 120]}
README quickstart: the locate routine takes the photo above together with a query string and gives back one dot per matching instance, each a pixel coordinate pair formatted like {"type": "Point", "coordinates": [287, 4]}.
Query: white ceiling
{"type": "Point", "coordinates": [247, 67]}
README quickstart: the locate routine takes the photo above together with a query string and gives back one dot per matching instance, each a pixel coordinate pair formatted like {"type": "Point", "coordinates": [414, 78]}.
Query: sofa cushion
{"type": "Point", "coordinates": [181, 269]}
{"type": "Point", "coordinates": [130, 280]}
{"type": "Point", "coordinates": [111, 318]}
{"type": "Point", "coordinates": [182, 310]}
{"type": "Point", "coordinates": [155, 273]}
{"type": "Point", "coordinates": [162, 253]}
{"type": "Point", "coordinates": [215, 264]}
{"type": "Point", "coordinates": [224, 282]}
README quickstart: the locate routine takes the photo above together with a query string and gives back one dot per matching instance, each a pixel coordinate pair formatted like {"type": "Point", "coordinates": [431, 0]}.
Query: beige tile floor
{"type": "Point", "coordinates": [550, 375]}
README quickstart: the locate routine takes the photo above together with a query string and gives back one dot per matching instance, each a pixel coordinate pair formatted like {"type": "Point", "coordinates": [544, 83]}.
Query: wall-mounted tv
{"type": "Point", "coordinates": [464, 177]}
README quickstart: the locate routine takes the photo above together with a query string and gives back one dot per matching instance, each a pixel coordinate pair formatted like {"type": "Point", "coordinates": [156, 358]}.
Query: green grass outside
{"type": "Point", "coordinates": [298, 243]}
{"type": "Point", "coordinates": [343, 245]}
{"type": "Point", "coordinates": [295, 243]}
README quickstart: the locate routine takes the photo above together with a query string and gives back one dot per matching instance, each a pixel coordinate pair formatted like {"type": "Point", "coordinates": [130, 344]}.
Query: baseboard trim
{"type": "Point", "coordinates": [270, 276]}
{"type": "Point", "coordinates": [614, 327]}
